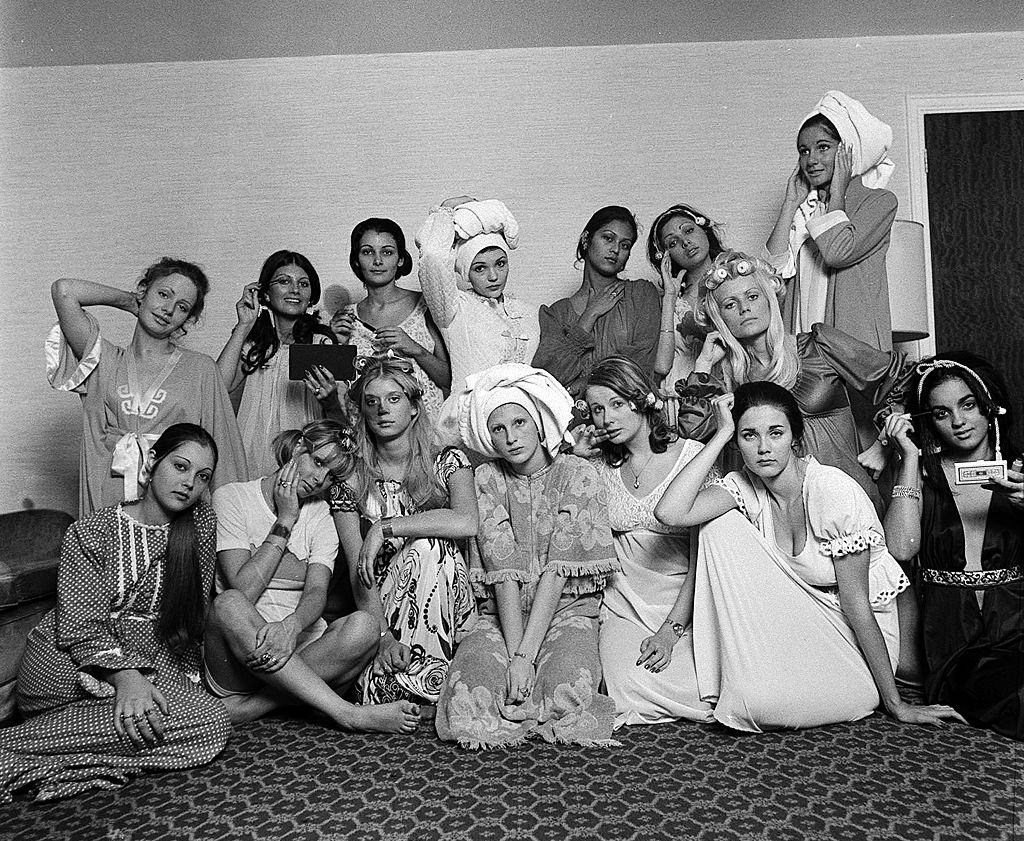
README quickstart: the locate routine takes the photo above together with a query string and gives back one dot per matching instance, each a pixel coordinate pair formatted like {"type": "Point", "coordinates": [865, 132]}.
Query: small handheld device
{"type": "Point", "coordinates": [979, 472]}
{"type": "Point", "coordinates": [340, 360]}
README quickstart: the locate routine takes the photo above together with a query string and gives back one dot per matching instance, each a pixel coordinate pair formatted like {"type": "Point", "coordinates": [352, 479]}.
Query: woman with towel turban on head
{"type": "Point", "coordinates": [830, 240]}
{"type": "Point", "coordinates": [464, 258]}
{"type": "Point", "coordinates": [539, 564]}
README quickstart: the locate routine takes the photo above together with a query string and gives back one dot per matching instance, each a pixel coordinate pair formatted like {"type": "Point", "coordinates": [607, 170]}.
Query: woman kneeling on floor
{"type": "Point", "coordinates": [267, 644]}
{"type": "Point", "coordinates": [539, 563]}
{"type": "Point", "coordinates": [795, 621]}
{"type": "Point", "coordinates": [110, 678]}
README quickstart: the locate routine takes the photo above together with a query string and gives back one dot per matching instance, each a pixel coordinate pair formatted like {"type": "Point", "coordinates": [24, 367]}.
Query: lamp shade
{"type": "Point", "coordinates": [908, 285]}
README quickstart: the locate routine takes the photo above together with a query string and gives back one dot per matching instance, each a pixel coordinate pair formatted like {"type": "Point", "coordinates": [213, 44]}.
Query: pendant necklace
{"type": "Point", "coordinates": [638, 473]}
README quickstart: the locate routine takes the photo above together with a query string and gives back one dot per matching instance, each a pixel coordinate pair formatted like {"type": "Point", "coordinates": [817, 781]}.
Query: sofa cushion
{"type": "Point", "coordinates": [30, 553]}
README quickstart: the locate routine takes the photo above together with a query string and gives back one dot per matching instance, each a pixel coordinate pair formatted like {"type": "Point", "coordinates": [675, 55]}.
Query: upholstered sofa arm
{"type": "Point", "coordinates": [29, 554]}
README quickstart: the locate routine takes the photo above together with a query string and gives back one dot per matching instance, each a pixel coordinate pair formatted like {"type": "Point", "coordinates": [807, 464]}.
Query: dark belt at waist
{"type": "Point", "coordinates": [976, 579]}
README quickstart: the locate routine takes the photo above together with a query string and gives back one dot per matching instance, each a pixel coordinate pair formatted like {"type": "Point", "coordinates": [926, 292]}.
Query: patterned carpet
{"type": "Point", "coordinates": [287, 779]}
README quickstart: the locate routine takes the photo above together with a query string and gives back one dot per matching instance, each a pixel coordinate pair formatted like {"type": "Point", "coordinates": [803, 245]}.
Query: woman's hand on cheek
{"type": "Point", "coordinates": [712, 352]}
{"type": "Point", "coordinates": [587, 438]}
{"type": "Point", "coordinates": [286, 496]}
{"type": "Point", "coordinates": [797, 187]}
{"type": "Point", "coordinates": [841, 173]}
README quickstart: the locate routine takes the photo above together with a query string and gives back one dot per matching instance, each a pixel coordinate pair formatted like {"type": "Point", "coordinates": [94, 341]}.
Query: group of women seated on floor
{"type": "Point", "coordinates": [515, 496]}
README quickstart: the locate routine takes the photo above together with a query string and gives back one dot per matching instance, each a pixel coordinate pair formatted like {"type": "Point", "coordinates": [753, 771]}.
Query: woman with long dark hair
{"type": "Point", "coordinates": [607, 315]}
{"type": "Point", "coordinates": [968, 537]}
{"type": "Point", "coordinates": [681, 246]}
{"type": "Point", "coordinates": [273, 314]}
{"type": "Point", "coordinates": [110, 680]}
{"type": "Point", "coordinates": [795, 611]}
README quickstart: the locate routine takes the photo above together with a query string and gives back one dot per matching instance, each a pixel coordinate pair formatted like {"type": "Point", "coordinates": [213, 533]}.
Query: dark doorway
{"type": "Point", "coordinates": [976, 213]}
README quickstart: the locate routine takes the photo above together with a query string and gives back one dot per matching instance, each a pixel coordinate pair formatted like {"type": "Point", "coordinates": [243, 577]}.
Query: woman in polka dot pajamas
{"type": "Point", "coordinates": [109, 682]}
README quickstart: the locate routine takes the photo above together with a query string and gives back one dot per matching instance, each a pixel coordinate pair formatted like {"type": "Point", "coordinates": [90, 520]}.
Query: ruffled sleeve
{"type": "Point", "coordinates": [840, 514]}
{"type": "Point", "coordinates": [64, 371]}
{"type": "Point", "coordinates": [844, 522]}
{"type": "Point", "coordinates": [741, 489]}
{"type": "Point", "coordinates": [581, 547]}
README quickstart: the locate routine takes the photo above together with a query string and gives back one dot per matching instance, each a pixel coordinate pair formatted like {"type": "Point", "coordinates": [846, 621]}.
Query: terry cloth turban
{"type": "Point", "coordinates": [869, 136]}
{"type": "Point", "coordinates": [543, 397]}
{"type": "Point", "coordinates": [480, 225]}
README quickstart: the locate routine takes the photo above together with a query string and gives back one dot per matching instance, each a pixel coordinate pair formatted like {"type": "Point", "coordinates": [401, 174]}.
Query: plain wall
{"type": "Point", "coordinates": [106, 168]}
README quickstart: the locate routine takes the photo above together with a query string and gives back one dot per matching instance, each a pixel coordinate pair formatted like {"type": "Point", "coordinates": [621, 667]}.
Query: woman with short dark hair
{"type": "Point", "coordinates": [795, 611]}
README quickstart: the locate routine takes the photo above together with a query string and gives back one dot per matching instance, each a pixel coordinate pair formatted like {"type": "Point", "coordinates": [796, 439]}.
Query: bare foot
{"type": "Point", "coordinates": [396, 717]}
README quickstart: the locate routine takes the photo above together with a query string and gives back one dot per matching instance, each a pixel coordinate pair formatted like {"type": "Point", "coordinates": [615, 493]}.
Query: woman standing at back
{"type": "Point", "coordinates": [131, 394]}
{"type": "Point", "coordinates": [607, 315]}
{"type": "Point", "coordinates": [272, 315]}
{"type": "Point", "coordinates": [390, 319]}
{"type": "Point", "coordinates": [833, 230]}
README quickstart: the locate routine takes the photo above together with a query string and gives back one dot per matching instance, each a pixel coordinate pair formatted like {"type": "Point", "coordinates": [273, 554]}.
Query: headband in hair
{"type": "Point", "coordinates": [677, 210]}
{"type": "Point", "coordinates": [930, 366]}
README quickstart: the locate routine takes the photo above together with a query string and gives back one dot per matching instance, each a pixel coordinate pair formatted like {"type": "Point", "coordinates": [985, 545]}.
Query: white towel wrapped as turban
{"type": "Point", "coordinates": [543, 397]}
{"type": "Point", "coordinates": [869, 136]}
{"type": "Point", "coordinates": [480, 225]}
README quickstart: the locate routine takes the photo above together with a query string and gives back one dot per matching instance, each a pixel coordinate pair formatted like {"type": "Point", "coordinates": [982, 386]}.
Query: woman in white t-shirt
{"type": "Point", "coordinates": [266, 641]}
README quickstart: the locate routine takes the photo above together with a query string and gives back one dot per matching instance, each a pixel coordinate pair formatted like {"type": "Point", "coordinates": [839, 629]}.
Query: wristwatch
{"type": "Point", "coordinates": [280, 530]}
{"type": "Point", "coordinates": [677, 629]}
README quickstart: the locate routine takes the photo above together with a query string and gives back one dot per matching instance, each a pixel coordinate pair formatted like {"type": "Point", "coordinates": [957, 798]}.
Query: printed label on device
{"type": "Point", "coordinates": [979, 472]}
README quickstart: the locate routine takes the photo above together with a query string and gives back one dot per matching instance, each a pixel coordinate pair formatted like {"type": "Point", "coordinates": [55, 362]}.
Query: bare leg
{"type": "Point", "coordinates": [230, 636]}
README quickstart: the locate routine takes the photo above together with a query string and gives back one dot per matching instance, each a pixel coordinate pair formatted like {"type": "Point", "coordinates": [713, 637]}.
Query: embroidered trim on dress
{"type": "Point", "coordinates": [972, 579]}
{"type": "Point", "coordinates": [850, 544]}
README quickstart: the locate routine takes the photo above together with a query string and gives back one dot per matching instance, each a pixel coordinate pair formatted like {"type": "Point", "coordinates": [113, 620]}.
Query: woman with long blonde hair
{"type": "Point", "coordinates": [749, 343]}
{"type": "Point", "coordinates": [398, 517]}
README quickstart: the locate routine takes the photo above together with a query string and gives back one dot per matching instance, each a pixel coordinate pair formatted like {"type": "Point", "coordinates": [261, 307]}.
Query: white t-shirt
{"type": "Point", "coordinates": [243, 522]}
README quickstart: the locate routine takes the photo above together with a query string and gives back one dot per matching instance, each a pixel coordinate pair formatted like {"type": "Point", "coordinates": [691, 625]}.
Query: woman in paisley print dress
{"type": "Point", "coordinates": [399, 517]}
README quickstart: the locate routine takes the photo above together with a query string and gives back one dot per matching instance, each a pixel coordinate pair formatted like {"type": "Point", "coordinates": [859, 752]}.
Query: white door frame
{"type": "Point", "coordinates": [917, 107]}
